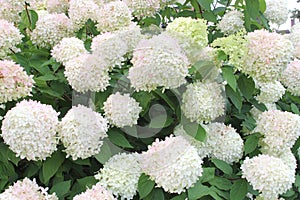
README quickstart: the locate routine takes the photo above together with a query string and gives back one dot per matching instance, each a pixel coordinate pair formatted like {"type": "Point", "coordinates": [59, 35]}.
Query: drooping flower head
{"type": "Point", "coordinates": [231, 22]}
{"type": "Point", "coordinates": [82, 132]}
{"type": "Point", "coordinates": [97, 192]}
{"type": "Point", "coordinates": [29, 129]}
{"type": "Point", "coordinates": [291, 77]}
{"type": "Point", "coordinates": [173, 164]}
{"type": "Point", "coordinates": [14, 82]}
{"type": "Point", "coordinates": [120, 175]}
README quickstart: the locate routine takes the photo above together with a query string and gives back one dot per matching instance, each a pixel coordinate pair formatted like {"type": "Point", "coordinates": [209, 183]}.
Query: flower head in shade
{"type": "Point", "coordinates": [121, 110]}
{"type": "Point", "coordinates": [57, 6]}
{"type": "Point", "coordinates": [10, 36]}
{"type": "Point", "coordinates": [26, 190]}
{"type": "Point", "coordinates": [143, 8]}
{"type": "Point", "coordinates": [67, 49]}
{"type": "Point", "coordinates": [191, 35]}
{"type": "Point", "coordinates": [82, 131]}
{"type": "Point", "coordinates": [120, 175]}
{"type": "Point", "coordinates": [280, 130]}
{"type": "Point", "coordinates": [268, 174]}
{"type": "Point", "coordinates": [231, 22]}
{"type": "Point", "coordinates": [97, 192]}
{"type": "Point", "coordinates": [270, 92]}
{"type": "Point", "coordinates": [173, 164]}
{"type": "Point", "coordinates": [14, 82]}
{"type": "Point", "coordinates": [51, 29]}
{"type": "Point", "coordinates": [277, 11]}
{"type": "Point", "coordinates": [158, 62]}
{"type": "Point", "coordinates": [10, 10]}
{"type": "Point", "coordinates": [224, 143]}
{"type": "Point", "coordinates": [113, 16]}
{"type": "Point", "coordinates": [203, 102]}
{"type": "Point", "coordinates": [110, 47]}
{"type": "Point", "coordinates": [87, 72]}
{"type": "Point", "coordinates": [29, 129]}
{"type": "Point", "coordinates": [82, 10]}
{"type": "Point", "coordinates": [291, 77]}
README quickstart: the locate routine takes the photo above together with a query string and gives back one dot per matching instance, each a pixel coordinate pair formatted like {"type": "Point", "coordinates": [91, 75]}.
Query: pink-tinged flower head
{"type": "Point", "coordinates": [97, 192]}
{"type": "Point", "coordinates": [291, 77]}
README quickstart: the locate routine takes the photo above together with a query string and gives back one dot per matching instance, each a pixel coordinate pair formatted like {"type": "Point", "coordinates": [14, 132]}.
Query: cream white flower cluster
{"type": "Point", "coordinates": [51, 29]}
{"type": "Point", "coordinates": [203, 102]}
{"type": "Point", "coordinates": [10, 36]}
{"type": "Point", "coordinates": [268, 174]}
{"type": "Point", "coordinates": [120, 174]}
{"type": "Point", "coordinates": [179, 171]}
{"type": "Point", "coordinates": [276, 11]}
{"type": "Point", "coordinates": [67, 49]}
{"type": "Point", "coordinates": [270, 92]}
{"type": "Point", "coordinates": [191, 35]}
{"type": "Point", "coordinates": [121, 110]}
{"type": "Point", "coordinates": [113, 16]}
{"type": "Point", "coordinates": [97, 192]}
{"type": "Point", "coordinates": [280, 130]}
{"type": "Point", "coordinates": [29, 129]}
{"type": "Point", "coordinates": [82, 132]}
{"type": "Point", "coordinates": [231, 22]}
{"type": "Point", "coordinates": [158, 62]}
{"type": "Point", "coordinates": [143, 8]}
{"type": "Point", "coordinates": [291, 77]}
{"type": "Point", "coordinates": [10, 10]}
{"type": "Point", "coordinates": [14, 82]}
{"type": "Point", "coordinates": [57, 6]}
{"type": "Point", "coordinates": [26, 190]}
{"type": "Point", "coordinates": [82, 10]}
{"type": "Point", "coordinates": [87, 72]}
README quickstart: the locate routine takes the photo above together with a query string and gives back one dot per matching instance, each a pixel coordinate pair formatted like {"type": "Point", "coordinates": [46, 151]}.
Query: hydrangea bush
{"type": "Point", "coordinates": [148, 99]}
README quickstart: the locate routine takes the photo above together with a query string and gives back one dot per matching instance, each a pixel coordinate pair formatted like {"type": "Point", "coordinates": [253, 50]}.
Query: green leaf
{"type": "Point", "coordinates": [235, 97]}
{"type": "Point", "coordinates": [198, 191]}
{"type": "Point", "coordinates": [145, 185]}
{"type": "Point", "coordinates": [61, 188]}
{"type": "Point", "coordinates": [29, 18]}
{"type": "Point", "coordinates": [252, 6]}
{"type": "Point", "coordinates": [221, 183]}
{"type": "Point", "coordinates": [251, 143]}
{"type": "Point", "coordinates": [207, 174]}
{"type": "Point", "coordinates": [160, 121]}
{"type": "Point", "coordinates": [52, 164]}
{"type": "Point", "coordinates": [206, 69]}
{"type": "Point", "coordinates": [262, 6]}
{"type": "Point", "coordinates": [205, 4]}
{"type": "Point", "coordinates": [258, 105]}
{"type": "Point", "coordinates": [195, 130]}
{"type": "Point", "coordinates": [246, 86]}
{"type": "Point", "coordinates": [239, 190]}
{"type": "Point", "coordinates": [182, 196]}
{"type": "Point", "coordinates": [156, 194]}
{"type": "Point", "coordinates": [229, 77]}
{"type": "Point", "coordinates": [295, 109]}
{"type": "Point", "coordinates": [104, 154]}
{"type": "Point", "coordinates": [210, 16]}
{"type": "Point", "coordinates": [118, 139]}
{"type": "Point", "coordinates": [222, 165]}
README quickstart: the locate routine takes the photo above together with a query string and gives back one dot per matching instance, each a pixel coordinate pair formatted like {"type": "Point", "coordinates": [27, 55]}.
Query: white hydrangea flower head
{"type": "Point", "coordinates": [158, 62]}
{"type": "Point", "coordinates": [291, 77]}
{"type": "Point", "coordinates": [121, 174]}
{"type": "Point", "coordinates": [87, 72]}
{"type": "Point", "coordinates": [67, 49]}
{"type": "Point", "coordinates": [51, 29]}
{"type": "Point", "coordinates": [232, 22]}
{"type": "Point", "coordinates": [191, 35]}
{"type": "Point", "coordinates": [255, 112]}
{"type": "Point", "coordinates": [110, 47]}
{"type": "Point", "coordinates": [10, 36]}
{"type": "Point", "coordinates": [26, 190]}
{"type": "Point", "coordinates": [270, 92]}
{"type": "Point", "coordinates": [57, 6]}
{"type": "Point", "coordinates": [131, 35]}
{"type": "Point", "coordinates": [287, 157]}
{"type": "Point", "coordinates": [275, 51]}
{"type": "Point", "coordinates": [121, 110]}
{"type": "Point", "coordinates": [179, 171]}
{"type": "Point", "coordinates": [201, 147]}
{"type": "Point", "coordinates": [224, 143]}
{"type": "Point", "coordinates": [82, 132]}
{"type": "Point", "coordinates": [297, 50]}
{"type": "Point", "coordinates": [97, 192]}
{"type": "Point", "coordinates": [268, 174]}
{"type": "Point", "coordinates": [294, 36]}
{"type": "Point", "coordinates": [113, 16]}
{"type": "Point", "coordinates": [203, 102]}
{"type": "Point", "coordinates": [143, 8]}
{"type": "Point", "coordinates": [82, 10]}
{"type": "Point", "coordinates": [14, 82]}
{"type": "Point", "coordinates": [10, 10]}
{"type": "Point", "coordinates": [29, 129]}
{"type": "Point", "coordinates": [280, 130]}
{"type": "Point", "coordinates": [277, 11]}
